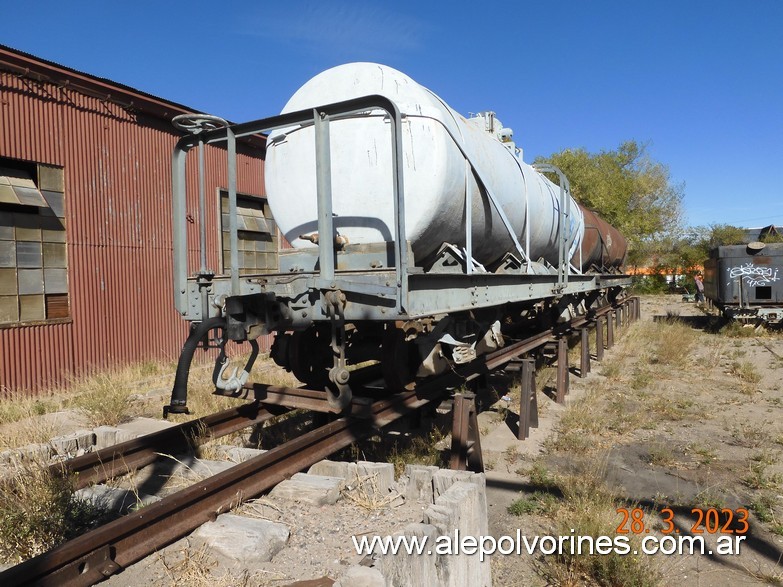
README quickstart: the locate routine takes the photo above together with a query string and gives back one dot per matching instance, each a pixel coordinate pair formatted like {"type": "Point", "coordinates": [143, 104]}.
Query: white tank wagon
{"type": "Point", "coordinates": [439, 149]}
{"type": "Point", "coordinates": [421, 239]}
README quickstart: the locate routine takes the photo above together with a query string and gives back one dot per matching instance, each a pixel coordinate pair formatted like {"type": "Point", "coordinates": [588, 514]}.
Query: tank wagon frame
{"type": "Point", "coordinates": [746, 281]}
{"type": "Point", "coordinates": [347, 297]}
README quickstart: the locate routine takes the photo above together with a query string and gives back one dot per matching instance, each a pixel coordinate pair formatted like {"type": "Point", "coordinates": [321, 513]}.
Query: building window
{"type": "Point", "coordinates": [257, 235]}
{"type": "Point", "coordinates": [33, 256]}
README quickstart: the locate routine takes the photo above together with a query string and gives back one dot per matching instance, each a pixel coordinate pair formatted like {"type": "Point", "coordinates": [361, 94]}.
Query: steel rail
{"type": "Point", "coordinates": [502, 356]}
{"type": "Point", "coordinates": [125, 457]}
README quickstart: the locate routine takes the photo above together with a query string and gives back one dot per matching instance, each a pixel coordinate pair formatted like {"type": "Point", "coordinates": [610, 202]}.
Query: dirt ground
{"type": "Point", "coordinates": [701, 429]}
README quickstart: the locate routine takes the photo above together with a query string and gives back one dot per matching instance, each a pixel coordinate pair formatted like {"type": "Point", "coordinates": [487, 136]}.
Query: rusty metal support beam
{"type": "Point", "coordinates": [465, 436]}
{"type": "Point", "coordinates": [584, 363]}
{"type": "Point", "coordinates": [528, 402]}
{"type": "Point", "coordinates": [533, 395]}
{"type": "Point", "coordinates": [609, 330]}
{"type": "Point", "coordinates": [599, 338]}
{"type": "Point", "coordinates": [295, 398]}
{"type": "Point", "coordinates": [562, 370]}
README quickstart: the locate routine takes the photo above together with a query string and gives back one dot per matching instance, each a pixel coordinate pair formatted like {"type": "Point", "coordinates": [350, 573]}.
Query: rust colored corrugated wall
{"type": "Point", "coordinates": [117, 171]}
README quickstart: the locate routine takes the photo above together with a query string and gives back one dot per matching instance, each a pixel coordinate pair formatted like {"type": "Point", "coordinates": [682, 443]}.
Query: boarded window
{"type": "Point", "coordinates": [33, 254]}
{"type": "Point", "coordinates": [256, 232]}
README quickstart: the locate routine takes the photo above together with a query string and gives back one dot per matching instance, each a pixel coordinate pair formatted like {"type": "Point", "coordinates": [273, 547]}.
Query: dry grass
{"type": "Point", "coordinates": [24, 432]}
{"type": "Point", "coordinates": [759, 435]}
{"type": "Point", "coordinates": [758, 477]}
{"type": "Point", "coordinates": [364, 492]}
{"type": "Point", "coordinates": [16, 406]}
{"type": "Point", "coordinates": [635, 395]}
{"type": "Point", "coordinates": [658, 378]}
{"type": "Point", "coordinates": [189, 568]}
{"type": "Point", "coordinates": [581, 426]}
{"type": "Point", "coordinates": [668, 342]}
{"type": "Point", "coordinates": [734, 329]}
{"type": "Point", "coordinates": [746, 372]}
{"type": "Point", "coordinates": [589, 508]}
{"type": "Point", "coordinates": [421, 450]}
{"type": "Point", "coordinates": [661, 454]}
{"type": "Point", "coordinates": [117, 395]}
{"type": "Point", "coordinates": [103, 398]}
{"type": "Point", "coordinates": [38, 511]}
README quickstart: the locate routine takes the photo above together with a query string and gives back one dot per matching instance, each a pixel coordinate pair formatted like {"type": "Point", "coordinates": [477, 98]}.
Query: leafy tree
{"type": "Point", "coordinates": [719, 235]}
{"type": "Point", "coordinates": [686, 251]}
{"type": "Point", "coordinates": [630, 190]}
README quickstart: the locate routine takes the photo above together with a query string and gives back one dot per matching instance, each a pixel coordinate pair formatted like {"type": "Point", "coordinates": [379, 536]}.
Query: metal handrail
{"type": "Point", "coordinates": [320, 118]}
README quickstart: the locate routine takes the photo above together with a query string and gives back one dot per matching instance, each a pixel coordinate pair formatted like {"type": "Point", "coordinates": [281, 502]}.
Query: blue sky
{"type": "Point", "coordinates": [700, 80]}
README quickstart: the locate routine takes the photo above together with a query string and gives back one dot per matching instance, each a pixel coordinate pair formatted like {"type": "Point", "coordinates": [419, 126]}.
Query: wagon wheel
{"type": "Point", "coordinates": [399, 363]}
{"type": "Point", "coordinates": [309, 357]}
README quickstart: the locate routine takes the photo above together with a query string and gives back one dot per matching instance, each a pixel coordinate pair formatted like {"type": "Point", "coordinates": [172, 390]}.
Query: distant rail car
{"type": "Point", "coordinates": [421, 239]}
{"type": "Point", "coordinates": [746, 281]}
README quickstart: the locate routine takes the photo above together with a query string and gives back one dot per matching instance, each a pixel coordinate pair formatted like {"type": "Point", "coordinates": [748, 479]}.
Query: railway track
{"type": "Point", "coordinates": [108, 549]}
{"type": "Point", "coordinates": [126, 457]}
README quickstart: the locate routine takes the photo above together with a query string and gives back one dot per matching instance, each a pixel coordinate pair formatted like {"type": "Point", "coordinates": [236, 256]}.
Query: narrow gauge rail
{"type": "Point", "coordinates": [108, 549]}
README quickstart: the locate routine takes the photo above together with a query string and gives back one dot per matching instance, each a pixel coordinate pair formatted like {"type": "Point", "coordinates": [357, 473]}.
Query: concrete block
{"type": "Point", "coordinates": [443, 518]}
{"type": "Point", "coordinates": [69, 445]}
{"type": "Point", "coordinates": [114, 500]}
{"type": "Point", "coordinates": [125, 435]}
{"type": "Point", "coordinates": [402, 569]}
{"type": "Point", "coordinates": [419, 487]}
{"type": "Point", "coordinates": [105, 436]}
{"type": "Point", "coordinates": [359, 576]}
{"type": "Point", "coordinates": [442, 479]}
{"type": "Point", "coordinates": [193, 468]}
{"type": "Point", "coordinates": [237, 454]}
{"type": "Point", "coordinates": [39, 453]}
{"type": "Point", "coordinates": [141, 426]}
{"type": "Point", "coordinates": [312, 489]}
{"type": "Point", "coordinates": [462, 507]}
{"type": "Point", "coordinates": [241, 539]}
{"type": "Point", "coordinates": [339, 469]}
{"type": "Point", "coordinates": [382, 475]}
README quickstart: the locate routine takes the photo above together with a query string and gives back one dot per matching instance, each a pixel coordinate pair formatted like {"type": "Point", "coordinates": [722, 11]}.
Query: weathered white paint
{"type": "Point", "coordinates": [434, 171]}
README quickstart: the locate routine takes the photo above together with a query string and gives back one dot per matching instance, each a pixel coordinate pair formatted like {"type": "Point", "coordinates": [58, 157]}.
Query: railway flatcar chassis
{"type": "Point", "coordinates": [339, 304]}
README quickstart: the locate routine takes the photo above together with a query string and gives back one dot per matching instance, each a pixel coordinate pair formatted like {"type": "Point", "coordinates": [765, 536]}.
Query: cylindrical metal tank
{"type": "Point", "coordinates": [435, 172]}
{"type": "Point", "coordinates": [602, 244]}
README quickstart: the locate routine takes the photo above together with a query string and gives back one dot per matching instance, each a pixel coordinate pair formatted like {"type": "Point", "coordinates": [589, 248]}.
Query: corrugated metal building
{"type": "Point", "coordinates": [85, 222]}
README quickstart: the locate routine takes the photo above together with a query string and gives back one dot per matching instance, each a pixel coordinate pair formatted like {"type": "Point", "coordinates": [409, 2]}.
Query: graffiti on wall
{"type": "Point", "coordinates": [754, 275]}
